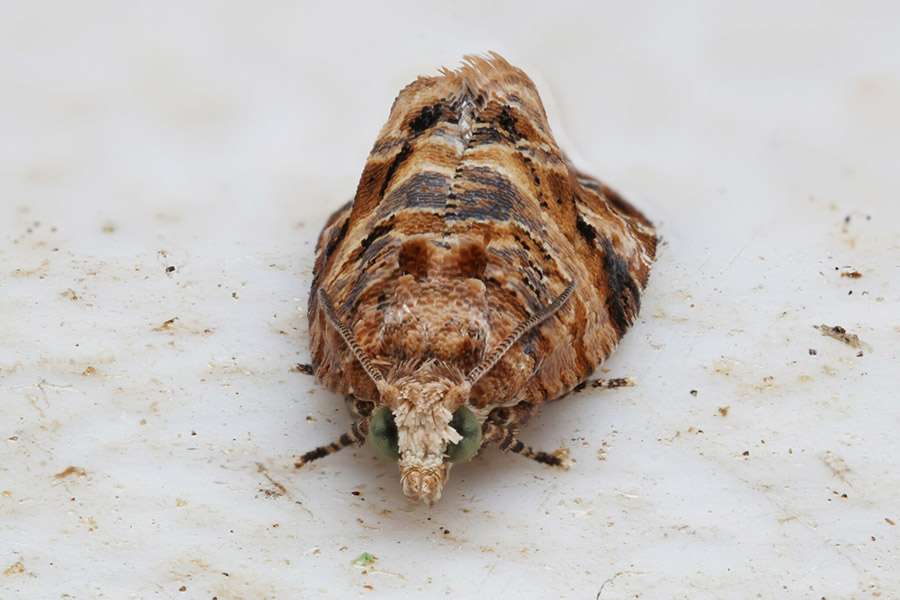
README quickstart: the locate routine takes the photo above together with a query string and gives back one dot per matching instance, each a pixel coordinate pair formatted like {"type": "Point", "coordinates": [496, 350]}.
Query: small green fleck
{"type": "Point", "coordinates": [365, 560]}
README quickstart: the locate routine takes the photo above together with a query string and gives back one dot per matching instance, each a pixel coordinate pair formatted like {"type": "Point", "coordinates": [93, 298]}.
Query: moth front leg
{"type": "Point", "coordinates": [501, 428]}
{"type": "Point", "coordinates": [305, 369]}
{"type": "Point", "coordinates": [356, 436]}
{"type": "Point", "coordinates": [361, 410]}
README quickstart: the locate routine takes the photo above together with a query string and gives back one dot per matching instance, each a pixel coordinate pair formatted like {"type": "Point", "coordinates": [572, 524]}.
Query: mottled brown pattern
{"type": "Point", "coordinates": [468, 219]}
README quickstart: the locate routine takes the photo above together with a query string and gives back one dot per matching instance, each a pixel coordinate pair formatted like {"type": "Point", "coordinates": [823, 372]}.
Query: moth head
{"type": "Point", "coordinates": [423, 419]}
{"type": "Point", "coordinates": [424, 424]}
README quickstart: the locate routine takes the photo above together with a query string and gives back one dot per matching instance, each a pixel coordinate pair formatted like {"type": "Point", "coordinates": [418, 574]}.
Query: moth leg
{"type": "Point", "coordinates": [305, 369]}
{"type": "Point", "coordinates": [356, 435]}
{"type": "Point", "coordinates": [606, 384]}
{"type": "Point", "coordinates": [506, 440]}
{"type": "Point", "coordinates": [359, 409]}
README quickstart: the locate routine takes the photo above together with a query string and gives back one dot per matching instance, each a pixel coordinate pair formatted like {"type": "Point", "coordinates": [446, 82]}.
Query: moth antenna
{"type": "Point", "coordinates": [494, 357]}
{"type": "Point", "coordinates": [349, 338]}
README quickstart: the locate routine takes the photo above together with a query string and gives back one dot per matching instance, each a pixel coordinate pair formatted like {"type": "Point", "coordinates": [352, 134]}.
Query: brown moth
{"type": "Point", "coordinates": [476, 275]}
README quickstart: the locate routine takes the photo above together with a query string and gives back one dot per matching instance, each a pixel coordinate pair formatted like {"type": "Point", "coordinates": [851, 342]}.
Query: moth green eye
{"type": "Point", "coordinates": [383, 434]}
{"type": "Point", "coordinates": [466, 424]}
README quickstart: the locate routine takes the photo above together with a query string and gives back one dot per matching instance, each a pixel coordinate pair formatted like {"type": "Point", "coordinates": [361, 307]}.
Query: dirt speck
{"type": "Point", "coordinates": [40, 271]}
{"type": "Point", "coordinates": [180, 502]}
{"type": "Point", "coordinates": [694, 393]}
{"type": "Point", "coordinates": [768, 382]}
{"type": "Point", "coordinates": [851, 274]}
{"type": "Point", "coordinates": [603, 452]}
{"type": "Point", "coordinates": [90, 523]}
{"type": "Point", "coordinates": [17, 568]}
{"type": "Point", "coordinates": [837, 465]}
{"type": "Point", "coordinates": [88, 371]}
{"type": "Point", "coordinates": [842, 335]}
{"type": "Point", "coordinates": [890, 521]}
{"type": "Point", "coordinates": [745, 453]}
{"type": "Point", "coordinates": [724, 367]}
{"type": "Point", "coordinates": [365, 560]}
{"type": "Point", "coordinates": [277, 490]}
{"type": "Point", "coordinates": [813, 352]}
{"type": "Point", "coordinates": [723, 411]}
{"type": "Point", "coordinates": [166, 325]}
{"type": "Point", "coordinates": [70, 294]}
{"type": "Point", "coordinates": [71, 470]}
{"type": "Point", "coordinates": [108, 227]}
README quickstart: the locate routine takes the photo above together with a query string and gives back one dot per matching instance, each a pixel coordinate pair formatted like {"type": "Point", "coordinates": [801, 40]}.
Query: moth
{"type": "Point", "coordinates": [475, 275]}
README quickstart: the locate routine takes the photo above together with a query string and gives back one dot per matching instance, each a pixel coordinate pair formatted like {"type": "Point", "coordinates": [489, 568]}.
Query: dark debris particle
{"type": "Point", "coordinates": [170, 269]}
{"type": "Point", "coordinates": [694, 393]}
{"type": "Point", "coordinates": [745, 453]}
{"type": "Point", "coordinates": [813, 352]}
{"type": "Point", "coordinates": [356, 493]}
{"type": "Point", "coordinates": [304, 368]}
{"type": "Point", "coordinates": [182, 588]}
{"type": "Point", "coordinates": [851, 274]}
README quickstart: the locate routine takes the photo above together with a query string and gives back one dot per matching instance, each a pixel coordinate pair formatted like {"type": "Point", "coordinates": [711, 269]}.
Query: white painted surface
{"type": "Point", "coordinates": [217, 139]}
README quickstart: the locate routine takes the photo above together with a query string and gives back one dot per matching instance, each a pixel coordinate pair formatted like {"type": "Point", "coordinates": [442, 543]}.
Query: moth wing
{"type": "Point", "coordinates": [328, 364]}
{"type": "Point", "coordinates": [622, 247]}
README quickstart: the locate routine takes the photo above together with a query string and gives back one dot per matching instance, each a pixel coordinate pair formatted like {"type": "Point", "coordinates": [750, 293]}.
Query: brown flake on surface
{"type": "Point", "coordinates": [842, 335]}
{"type": "Point", "coordinates": [277, 490]}
{"type": "Point", "coordinates": [166, 325]}
{"type": "Point", "coordinates": [837, 465]}
{"type": "Point", "coordinates": [71, 470]}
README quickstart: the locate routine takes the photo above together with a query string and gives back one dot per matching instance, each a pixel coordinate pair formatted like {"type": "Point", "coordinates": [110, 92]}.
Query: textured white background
{"type": "Point", "coordinates": [216, 138]}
